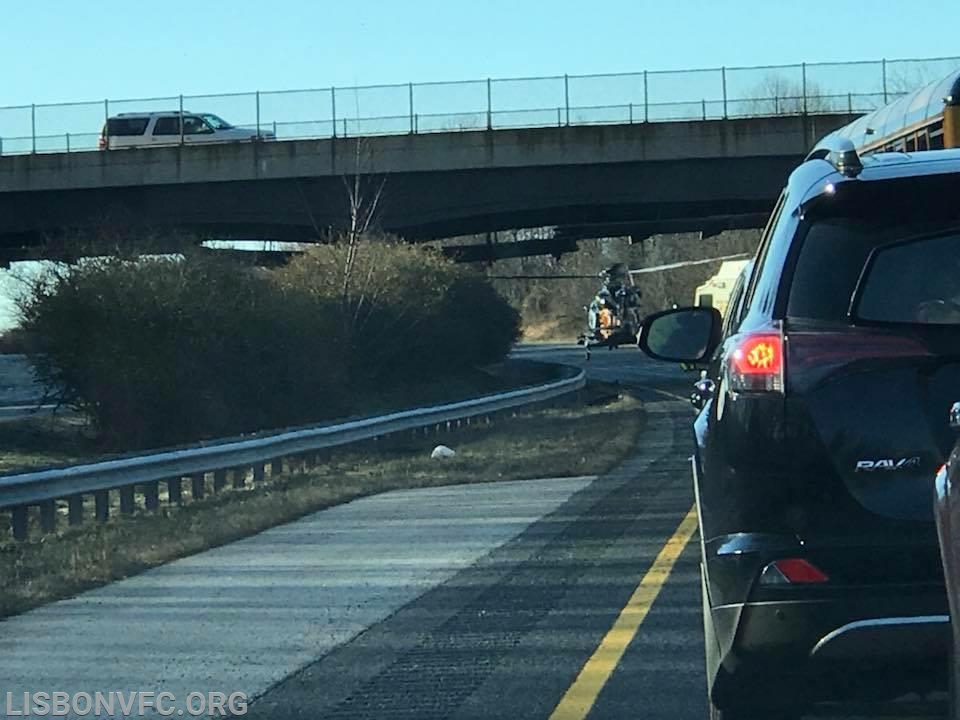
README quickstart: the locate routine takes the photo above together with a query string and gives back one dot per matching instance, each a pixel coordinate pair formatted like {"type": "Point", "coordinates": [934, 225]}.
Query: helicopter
{"type": "Point", "coordinates": [613, 318]}
{"type": "Point", "coordinates": [613, 315]}
{"type": "Point", "coordinates": [611, 324]}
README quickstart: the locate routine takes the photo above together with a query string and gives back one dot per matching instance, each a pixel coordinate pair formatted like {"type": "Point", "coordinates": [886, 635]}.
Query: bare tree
{"type": "Point", "coordinates": [778, 94]}
{"type": "Point", "coordinates": [905, 77]}
{"type": "Point", "coordinates": [363, 193]}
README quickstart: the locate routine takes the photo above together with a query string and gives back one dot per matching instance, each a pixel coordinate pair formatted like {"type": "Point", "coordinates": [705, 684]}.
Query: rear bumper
{"type": "Point", "coordinates": [899, 638]}
{"type": "Point", "coordinates": [871, 643]}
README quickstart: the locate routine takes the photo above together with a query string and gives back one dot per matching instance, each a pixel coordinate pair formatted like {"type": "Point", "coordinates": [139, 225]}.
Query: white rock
{"type": "Point", "coordinates": [442, 451]}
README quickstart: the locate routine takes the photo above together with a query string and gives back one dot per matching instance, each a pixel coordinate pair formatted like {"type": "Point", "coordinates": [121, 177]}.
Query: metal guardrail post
{"type": "Point", "coordinates": [566, 95]}
{"type": "Point", "coordinates": [850, 102]}
{"type": "Point", "coordinates": [18, 522]}
{"type": "Point", "coordinates": [703, 105]}
{"type": "Point", "coordinates": [106, 123]}
{"type": "Point", "coordinates": [631, 113]}
{"type": "Point", "coordinates": [75, 509]}
{"type": "Point", "coordinates": [127, 500]}
{"type": "Point", "coordinates": [413, 128]}
{"type": "Point", "coordinates": [489, 104]}
{"type": "Point", "coordinates": [258, 114]}
{"type": "Point", "coordinates": [151, 495]}
{"type": "Point", "coordinates": [33, 128]}
{"type": "Point", "coordinates": [181, 119]}
{"type": "Point", "coordinates": [197, 482]}
{"type": "Point", "coordinates": [174, 490]}
{"type": "Point", "coordinates": [333, 110]}
{"type": "Point", "coordinates": [219, 480]}
{"type": "Point", "coordinates": [883, 64]}
{"type": "Point", "coordinates": [48, 516]}
{"type": "Point", "coordinates": [68, 142]}
{"type": "Point", "coordinates": [101, 505]}
{"type": "Point", "coordinates": [723, 76]}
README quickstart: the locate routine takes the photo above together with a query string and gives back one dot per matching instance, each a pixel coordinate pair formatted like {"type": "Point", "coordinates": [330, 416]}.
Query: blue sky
{"type": "Point", "coordinates": [57, 50]}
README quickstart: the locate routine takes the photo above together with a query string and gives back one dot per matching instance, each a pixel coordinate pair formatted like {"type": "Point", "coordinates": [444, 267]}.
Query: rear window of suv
{"type": "Point", "coordinates": [916, 281]}
{"type": "Point", "coordinates": [902, 275]}
{"type": "Point", "coordinates": [830, 263]}
{"type": "Point", "coordinates": [118, 127]}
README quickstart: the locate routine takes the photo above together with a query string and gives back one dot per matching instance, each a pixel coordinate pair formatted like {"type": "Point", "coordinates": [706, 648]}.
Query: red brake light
{"type": "Point", "coordinates": [756, 363]}
{"type": "Point", "coordinates": [792, 571]}
{"type": "Point", "coordinates": [759, 355]}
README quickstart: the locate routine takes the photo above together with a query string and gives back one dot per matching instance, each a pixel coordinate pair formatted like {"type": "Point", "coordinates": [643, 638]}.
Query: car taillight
{"type": "Point", "coordinates": [792, 571]}
{"type": "Point", "coordinates": [756, 363]}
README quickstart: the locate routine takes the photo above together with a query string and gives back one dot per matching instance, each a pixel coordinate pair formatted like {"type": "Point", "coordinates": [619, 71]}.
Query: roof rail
{"type": "Point", "coordinates": [839, 152]}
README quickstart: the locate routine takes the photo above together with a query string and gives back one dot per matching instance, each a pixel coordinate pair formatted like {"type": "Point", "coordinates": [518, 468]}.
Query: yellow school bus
{"type": "Point", "coordinates": [926, 119]}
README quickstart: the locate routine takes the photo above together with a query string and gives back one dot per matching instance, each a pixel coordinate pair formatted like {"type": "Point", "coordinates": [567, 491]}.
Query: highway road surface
{"type": "Point", "coordinates": [549, 599]}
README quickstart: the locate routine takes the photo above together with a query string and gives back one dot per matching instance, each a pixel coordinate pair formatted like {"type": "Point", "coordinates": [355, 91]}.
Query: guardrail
{"type": "Point", "coordinates": [492, 104]}
{"type": "Point", "coordinates": [44, 488]}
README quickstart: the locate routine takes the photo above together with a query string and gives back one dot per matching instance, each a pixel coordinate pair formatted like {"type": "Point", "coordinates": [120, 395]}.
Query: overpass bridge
{"type": "Point", "coordinates": [641, 178]}
{"type": "Point", "coordinates": [631, 154]}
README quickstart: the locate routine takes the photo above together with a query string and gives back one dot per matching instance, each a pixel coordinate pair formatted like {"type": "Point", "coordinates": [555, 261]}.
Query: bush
{"type": "Point", "coordinates": [14, 342]}
{"type": "Point", "coordinates": [407, 312]}
{"type": "Point", "coordinates": [164, 351]}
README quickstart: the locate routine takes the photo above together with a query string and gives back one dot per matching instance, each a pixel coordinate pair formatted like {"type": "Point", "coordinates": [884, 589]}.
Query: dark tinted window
{"type": "Point", "coordinates": [833, 257]}
{"type": "Point", "coordinates": [167, 126]}
{"type": "Point", "coordinates": [117, 127]}
{"type": "Point", "coordinates": [830, 263]}
{"type": "Point", "coordinates": [732, 317]}
{"type": "Point", "coordinates": [913, 282]}
{"type": "Point", "coordinates": [763, 249]}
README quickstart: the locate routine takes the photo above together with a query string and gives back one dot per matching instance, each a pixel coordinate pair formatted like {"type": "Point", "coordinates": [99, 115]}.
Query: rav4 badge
{"type": "Point", "coordinates": [906, 463]}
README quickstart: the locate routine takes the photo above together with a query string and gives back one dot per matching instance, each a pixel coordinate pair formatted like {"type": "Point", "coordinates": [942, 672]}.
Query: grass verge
{"type": "Point", "coordinates": [67, 438]}
{"type": "Point", "coordinates": [563, 442]}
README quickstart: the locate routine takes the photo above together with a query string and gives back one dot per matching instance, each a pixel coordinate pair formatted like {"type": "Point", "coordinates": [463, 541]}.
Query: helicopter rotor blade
{"type": "Point", "coordinates": [542, 277]}
{"type": "Point", "coordinates": [630, 273]}
{"type": "Point", "coordinates": [687, 263]}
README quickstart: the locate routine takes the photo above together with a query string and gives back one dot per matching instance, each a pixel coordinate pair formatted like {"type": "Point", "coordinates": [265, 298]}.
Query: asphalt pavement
{"type": "Point", "coordinates": [557, 599]}
{"type": "Point", "coordinates": [513, 635]}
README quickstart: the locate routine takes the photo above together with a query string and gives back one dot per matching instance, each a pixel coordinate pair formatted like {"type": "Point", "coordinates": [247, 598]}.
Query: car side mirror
{"type": "Point", "coordinates": [684, 335]}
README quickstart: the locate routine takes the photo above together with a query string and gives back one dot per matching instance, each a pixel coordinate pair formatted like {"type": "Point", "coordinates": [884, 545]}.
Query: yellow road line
{"type": "Point", "coordinates": [670, 395]}
{"type": "Point", "coordinates": [580, 697]}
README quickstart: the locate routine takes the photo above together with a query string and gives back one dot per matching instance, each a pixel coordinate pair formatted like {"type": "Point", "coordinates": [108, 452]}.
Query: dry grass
{"type": "Point", "coordinates": [547, 443]}
{"type": "Point", "coordinates": [547, 331]}
{"type": "Point", "coordinates": [67, 438]}
{"type": "Point", "coordinates": [45, 440]}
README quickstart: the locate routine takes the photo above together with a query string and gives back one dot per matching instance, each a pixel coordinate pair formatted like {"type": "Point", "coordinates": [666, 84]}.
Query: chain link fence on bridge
{"type": "Point", "coordinates": [493, 104]}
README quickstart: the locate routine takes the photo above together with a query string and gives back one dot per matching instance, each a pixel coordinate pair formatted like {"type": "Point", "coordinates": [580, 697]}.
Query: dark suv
{"type": "Point", "coordinates": [821, 428]}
